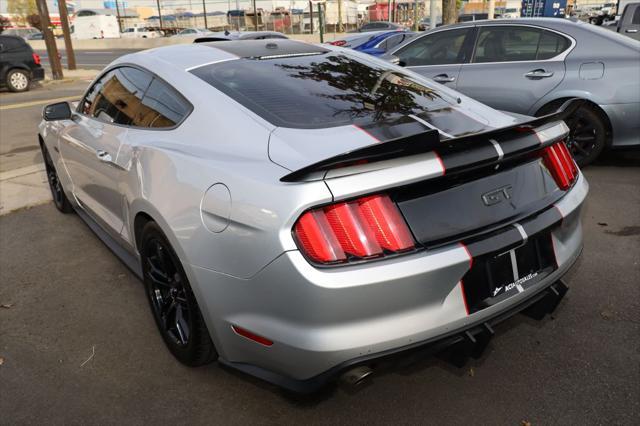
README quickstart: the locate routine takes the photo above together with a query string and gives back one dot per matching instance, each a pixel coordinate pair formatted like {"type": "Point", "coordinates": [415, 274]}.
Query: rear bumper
{"type": "Point", "coordinates": [37, 74]}
{"type": "Point", "coordinates": [323, 321]}
{"type": "Point", "coordinates": [625, 123]}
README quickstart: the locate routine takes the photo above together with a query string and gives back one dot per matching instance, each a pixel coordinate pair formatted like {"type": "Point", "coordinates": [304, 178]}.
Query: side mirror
{"type": "Point", "coordinates": [396, 61]}
{"type": "Point", "coordinates": [57, 111]}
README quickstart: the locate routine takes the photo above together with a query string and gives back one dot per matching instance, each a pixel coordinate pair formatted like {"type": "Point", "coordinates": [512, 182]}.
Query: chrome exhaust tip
{"type": "Point", "coordinates": [356, 376]}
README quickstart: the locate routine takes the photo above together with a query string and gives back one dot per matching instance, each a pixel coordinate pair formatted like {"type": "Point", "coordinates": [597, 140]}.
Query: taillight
{"type": "Point", "coordinates": [36, 58]}
{"type": "Point", "coordinates": [365, 228]}
{"type": "Point", "coordinates": [338, 43]}
{"type": "Point", "coordinates": [560, 163]}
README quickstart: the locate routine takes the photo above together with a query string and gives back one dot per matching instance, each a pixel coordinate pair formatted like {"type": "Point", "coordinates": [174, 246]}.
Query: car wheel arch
{"type": "Point", "coordinates": [551, 106]}
{"type": "Point", "coordinates": [141, 214]}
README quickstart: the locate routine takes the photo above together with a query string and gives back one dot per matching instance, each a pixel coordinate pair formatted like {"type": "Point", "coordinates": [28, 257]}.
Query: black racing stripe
{"type": "Point", "coordinates": [502, 240]}
{"type": "Point", "coordinates": [525, 141]}
{"type": "Point", "coordinates": [454, 159]}
{"type": "Point", "coordinates": [509, 237]}
{"type": "Point", "coordinates": [542, 221]}
{"type": "Point", "coordinates": [267, 47]}
{"type": "Point", "coordinates": [406, 127]}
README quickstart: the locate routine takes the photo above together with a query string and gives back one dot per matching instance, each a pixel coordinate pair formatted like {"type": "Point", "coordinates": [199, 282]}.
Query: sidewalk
{"type": "Point", "coordinates": [24, 187]}
{"type": "Point", "coordinates": [71, 75]}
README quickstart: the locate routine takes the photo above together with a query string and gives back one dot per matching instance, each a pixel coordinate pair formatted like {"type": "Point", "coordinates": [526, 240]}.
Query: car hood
{"type": "Point", "coordinates": [297, 148]}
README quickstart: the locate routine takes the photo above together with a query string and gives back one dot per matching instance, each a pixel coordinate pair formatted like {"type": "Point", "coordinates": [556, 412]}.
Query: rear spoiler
{"type": "Point", "coordinates": [458, 152]}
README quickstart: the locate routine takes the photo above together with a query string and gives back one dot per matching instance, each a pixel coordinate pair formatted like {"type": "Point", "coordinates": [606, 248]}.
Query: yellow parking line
{"type": "Point", "coordinates": [40, 102]}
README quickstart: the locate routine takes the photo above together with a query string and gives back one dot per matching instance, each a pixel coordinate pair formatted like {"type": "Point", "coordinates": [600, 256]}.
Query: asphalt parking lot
{"type": "Point", "coordinates": [78, 343]}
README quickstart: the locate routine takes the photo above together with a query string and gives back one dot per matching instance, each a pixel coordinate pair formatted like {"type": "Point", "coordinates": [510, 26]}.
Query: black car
{"type": "Point", "coordinates": [19, 65]}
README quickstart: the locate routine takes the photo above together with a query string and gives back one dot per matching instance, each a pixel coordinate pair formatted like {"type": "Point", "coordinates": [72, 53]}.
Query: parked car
{"type": "Point", "coordinates": [425, 23]}
{"type": "Point", "coordinates": [299, 211]}
{"type": "Point", "coordinates": [472, 17]}
{"type": "Point", "coordinates": [240, 35]}
{"type": "Point", "coordinates": [35, 36]}
{"type": "Point", "coordinates": [20, 32]}
{"type": "Point", "coordinates": [530, 66]}
{"type": "Point", "coordinates": [19, 64]}
{"type": "Point", "coordinates": [629, 22]}
{"type": "Point", "coordinates": [379, 26]}
{"type": "Point", "coordinates": [374, 43]}
{"type": "Point", "coordinates": [192, 32]}
{"type": "Point", "coordinates": [140, 32]}
{"type": "Point", "coordinates": [510, 13]}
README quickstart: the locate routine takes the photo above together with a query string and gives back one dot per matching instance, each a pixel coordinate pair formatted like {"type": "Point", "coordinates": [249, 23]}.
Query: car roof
{"type": "Point", "coordinates": [188, 56]}
{"type": "Point", "coordinates": [266, 48]}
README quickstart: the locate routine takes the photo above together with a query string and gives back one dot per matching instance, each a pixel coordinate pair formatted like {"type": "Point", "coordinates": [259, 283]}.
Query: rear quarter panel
{"type": "Point", "coordinates": [619, 82]}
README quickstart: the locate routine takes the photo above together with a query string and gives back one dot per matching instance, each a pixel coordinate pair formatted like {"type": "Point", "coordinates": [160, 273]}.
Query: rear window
{"type": "Point", "coordinates": [8, 43]}
{"type": "Point", "coordinates": [324, 90]}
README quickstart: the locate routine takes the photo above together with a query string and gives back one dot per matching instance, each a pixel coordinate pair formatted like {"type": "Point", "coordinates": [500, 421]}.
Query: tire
{"type": "Point", "coordinates": [173, 304]}
{"type": "Point", "coordinates": [18, 80]}
{"type": "Point", "coordinates": [587, 135]}
{"type": "Point", "coordinates": [60, 199]}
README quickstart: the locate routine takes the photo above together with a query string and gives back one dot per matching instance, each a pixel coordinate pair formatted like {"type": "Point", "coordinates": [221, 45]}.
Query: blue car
{"type": "Point", "coordinates": [374, 43]}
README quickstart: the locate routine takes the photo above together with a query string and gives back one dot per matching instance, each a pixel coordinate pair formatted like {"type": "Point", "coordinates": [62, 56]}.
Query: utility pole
{"type": "Point", "coordinates": [204, 11]}
{"type": "Point", "coordinates": [311, 15]}
{"type": "Point", "coordinates": [492, 8]}
{"type": "Point", "coordinates": [321, 23]}
{"type": "Point", "coordinates": [389, 10]}
{"type": "Point", "coordinates": [52, 49]}
{"type": "Point", "coordinates": [433, 14]}
{"type": "Point", "coordinates": [340, 26]}
{"type": "Point", "coordinates": [415, 15]}
{"type": "Point", "coordinates": [118, 15]}
{"type": "Point", "coordinates": [255, 15]}
{"type": "Point", "coordinates": [64, 21]}
{"type": "Point", "coordinates": [159, 13]}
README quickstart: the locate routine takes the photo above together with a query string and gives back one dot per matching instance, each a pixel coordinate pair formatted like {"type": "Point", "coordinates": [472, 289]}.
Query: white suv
{"type": "Point", "coordinates": [140, 32]}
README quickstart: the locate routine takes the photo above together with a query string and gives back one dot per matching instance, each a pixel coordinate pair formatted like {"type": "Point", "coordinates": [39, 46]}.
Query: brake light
{"type": "Point", "coordinates": [368, 227]}
{"type": "Point", "coordinates": [560, 163]}
{"type": "Point", "coordinates": [36, 58]}
{"type": "Point", "coordinates": [338, 43]}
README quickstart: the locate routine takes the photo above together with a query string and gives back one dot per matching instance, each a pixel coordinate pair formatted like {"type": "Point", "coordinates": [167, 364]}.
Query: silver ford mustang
{"type": "Point", "coordinates": [302, 212]}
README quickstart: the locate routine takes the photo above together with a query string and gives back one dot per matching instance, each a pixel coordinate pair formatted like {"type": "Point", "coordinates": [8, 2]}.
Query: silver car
{"type": "Point", "coordinates": [531, 66]}
{"type": "Point", "coordinates": [298, 212]}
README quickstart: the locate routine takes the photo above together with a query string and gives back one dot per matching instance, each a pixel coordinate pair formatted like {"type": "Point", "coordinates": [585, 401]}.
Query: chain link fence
{"type": "Point", "coordinates": [289, 17]}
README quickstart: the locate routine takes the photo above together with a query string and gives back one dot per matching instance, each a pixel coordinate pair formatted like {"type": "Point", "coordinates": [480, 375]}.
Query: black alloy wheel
{"type": "Point", "coordinates": [172, 301]}
{"type": "Point", "coordinates": [587, 135]}
{"type": "Point", "coordinates": [60, 199]}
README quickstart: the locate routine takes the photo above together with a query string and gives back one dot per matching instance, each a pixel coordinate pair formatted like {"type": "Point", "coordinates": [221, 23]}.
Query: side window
{"type": "Point", "coordinates": [551, 45]}
{"type": "Point", "coordinates": [636, 16]}
{"type": "Point", "coordinates": [11, 43]}
{"type": "Point", "coordinates": [117, 97]}
{"type": "Point", "coordinates": [395, 40]}
{"type": "Point", "coordinates": [162, 106]}
{"type": "Point", "coordinates": [507, 44]}
{"type": "Point", "coordinates": [443, 47]}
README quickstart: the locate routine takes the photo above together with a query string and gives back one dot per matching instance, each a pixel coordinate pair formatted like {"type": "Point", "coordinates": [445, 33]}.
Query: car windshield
{"type": "Point", "coordinates": [328, 90]}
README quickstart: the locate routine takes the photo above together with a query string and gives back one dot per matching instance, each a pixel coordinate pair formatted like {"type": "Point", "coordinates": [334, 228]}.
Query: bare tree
{"type": "Point", "coordinates": [22, 8]}
{"type": "Point", "coordinates": [449, 11]}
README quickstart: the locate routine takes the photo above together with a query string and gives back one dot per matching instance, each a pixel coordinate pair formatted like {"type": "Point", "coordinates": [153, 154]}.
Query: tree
{"type": "Point", "coordinates": [22, 8]}
{"type": "Point", "coordinates": [449, 12]}
{"type": "Point", "coordinates": [34, 21]}
{"type": "Point", "coordinates": [4, 23]}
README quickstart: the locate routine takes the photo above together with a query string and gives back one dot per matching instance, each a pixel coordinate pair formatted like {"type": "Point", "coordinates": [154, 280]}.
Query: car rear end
{"type": "Point", "coordinates": [435, 225]}
{"type": "Point", "coordinates": [16, 53]}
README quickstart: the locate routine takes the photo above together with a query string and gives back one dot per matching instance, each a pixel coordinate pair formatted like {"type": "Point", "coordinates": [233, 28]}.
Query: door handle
{"type": "Point", "coordinates": [104, 156]}
{"type": "Point", "coordinates": [631, 30]}
{"type": "Point", "coordinates": [444, 78]}
{"type": "Point", "coordinates": [537, 74]}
